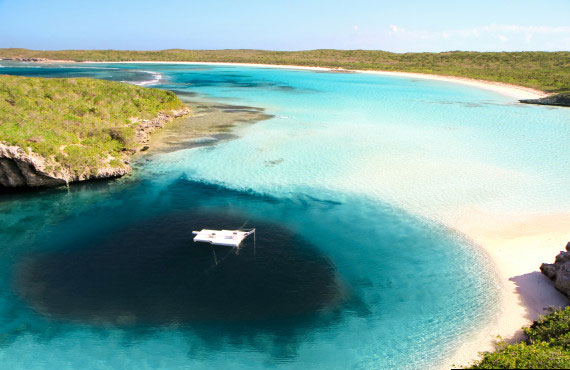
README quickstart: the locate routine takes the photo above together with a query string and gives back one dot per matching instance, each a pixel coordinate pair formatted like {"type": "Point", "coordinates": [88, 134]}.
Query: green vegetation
{"type": "Point", "coordinates": [81, 123]}
{"type": "Point", "coordinates": [547, 346]}
{"type": "Point", "coordinates": [547, 71]}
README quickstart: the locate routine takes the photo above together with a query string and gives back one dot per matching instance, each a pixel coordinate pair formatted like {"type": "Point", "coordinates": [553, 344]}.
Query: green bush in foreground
{"type": "Point", "coordinates": [553, 329]}
{"type": "Point", "coordinates": [547, 346]}
{"type": "Point", "coordinates": [81, 123]}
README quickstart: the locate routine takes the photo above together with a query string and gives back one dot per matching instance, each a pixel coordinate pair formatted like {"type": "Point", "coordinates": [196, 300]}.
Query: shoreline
{"type": "Point", "coordinates": [513, 91]}
{"type": "Point", "coordinates": [210, 123]}
{"type": "Point", "coordinates": [516, 245]}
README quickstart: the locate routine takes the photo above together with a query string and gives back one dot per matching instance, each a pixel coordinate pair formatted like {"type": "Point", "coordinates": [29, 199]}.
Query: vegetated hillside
{"type": "Point", "coordinates": [547, 71]}
{"type": "Point", "coordinates": [78, 124]}
{"type": "Point", "coordinates": [547, 346]}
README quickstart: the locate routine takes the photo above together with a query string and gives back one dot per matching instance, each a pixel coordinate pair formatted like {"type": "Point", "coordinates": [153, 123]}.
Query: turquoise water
{"type": "Point", "coordinates": [350, 186]}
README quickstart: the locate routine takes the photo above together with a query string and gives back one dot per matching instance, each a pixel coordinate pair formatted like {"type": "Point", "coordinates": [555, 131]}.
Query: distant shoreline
{"type": "Point", "coordinates": [513, 91]}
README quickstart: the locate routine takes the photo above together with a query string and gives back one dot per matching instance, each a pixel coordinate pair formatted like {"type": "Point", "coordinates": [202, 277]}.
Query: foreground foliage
{"type": "Point", "coordinates": [81, 123]}
{"type": "Point", "coordinates": [547, 71]}
{"type": "Point", "coordinates": [547, 346]}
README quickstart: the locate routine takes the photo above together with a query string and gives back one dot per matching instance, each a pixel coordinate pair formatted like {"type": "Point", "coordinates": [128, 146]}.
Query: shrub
{"type": "Point", "coordinates": [553, 329]}
{"type": "Point", "coordinates": [82, 123]}
{"type": "Point", "coordinates": [547, 346]}
{"type": "Point", "coordinates": [124, 135]}
{"type": "Point", "coordinates": [522, 356]}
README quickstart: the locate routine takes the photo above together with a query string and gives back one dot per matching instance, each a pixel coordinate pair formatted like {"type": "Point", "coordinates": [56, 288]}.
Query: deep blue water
{"type": "Point", "coordinates": [347, 271]}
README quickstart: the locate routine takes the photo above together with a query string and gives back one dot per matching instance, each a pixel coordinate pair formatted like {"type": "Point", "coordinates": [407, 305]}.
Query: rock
{"type": "Point", "coordinates": [146, 127]}
{"type": "Point", "coordinates": [30, 59]}
{"type": "Point", "coordinates": [27, 59]}
{"type": "Point", "coordinates": [559, 271]}
{"type": "Point", "coordinates": [562, 257]}
{"type": "Point", "coordinates": [562, 281]}
{"type": "Point", "coordinates": [20, 168]}
{"type": "Point", "coordinates": [550, 270]}
{"type": "Point", "coordinates": [557, 99]}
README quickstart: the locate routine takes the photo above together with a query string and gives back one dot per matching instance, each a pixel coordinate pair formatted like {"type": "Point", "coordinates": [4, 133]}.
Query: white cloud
{"type": "Point", "coordinates": [400, 31]}
{"type": "Point", "coordinates": [495, 29]}
{"type": "Point", "coordinates": [526, 29]}
{"type": "Point", "coordinates": [394, 29]}
{"type": "Point", "coordinates": [485, 37]}
{"type": "Point", "coordinates": [490, 37]}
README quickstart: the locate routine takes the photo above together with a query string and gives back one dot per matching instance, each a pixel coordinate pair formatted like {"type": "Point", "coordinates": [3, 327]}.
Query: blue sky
{"type": "Point", "coordinates": [398, 26]}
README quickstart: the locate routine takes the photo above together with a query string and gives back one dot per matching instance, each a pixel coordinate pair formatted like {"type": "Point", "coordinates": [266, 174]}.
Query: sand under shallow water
{"type": "Point", "coordinates": [209, 124]}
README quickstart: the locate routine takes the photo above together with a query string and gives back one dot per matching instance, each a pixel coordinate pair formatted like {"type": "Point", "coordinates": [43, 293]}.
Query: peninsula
{"type": "Point", "coordinates": [56, 131]}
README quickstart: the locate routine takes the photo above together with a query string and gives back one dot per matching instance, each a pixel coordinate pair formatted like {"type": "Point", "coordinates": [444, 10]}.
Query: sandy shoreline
{"type": "Point", "coordinates": [513, 91]}
{"type": "Point", "coordinates": [516, 244]}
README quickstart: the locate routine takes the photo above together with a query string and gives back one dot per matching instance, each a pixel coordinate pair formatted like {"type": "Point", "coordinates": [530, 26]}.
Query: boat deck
{"type": "Point", "coordinates": [231, 238]}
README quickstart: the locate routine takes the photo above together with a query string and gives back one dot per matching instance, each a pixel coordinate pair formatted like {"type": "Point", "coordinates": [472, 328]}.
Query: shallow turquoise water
{"type": "Point", "coordinates": [350, 185]}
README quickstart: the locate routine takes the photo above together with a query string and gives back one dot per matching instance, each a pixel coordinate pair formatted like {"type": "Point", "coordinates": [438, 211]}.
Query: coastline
{"type": "Point", "coordinates": [513, 91]}
{"type": "Point", "coordinates": [516, 244]}
{"type": "Point", "coordinates": [209, 124]}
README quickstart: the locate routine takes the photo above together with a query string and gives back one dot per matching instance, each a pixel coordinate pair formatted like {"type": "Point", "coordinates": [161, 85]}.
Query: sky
{"type": "Point", "coordinates": [395, 25]}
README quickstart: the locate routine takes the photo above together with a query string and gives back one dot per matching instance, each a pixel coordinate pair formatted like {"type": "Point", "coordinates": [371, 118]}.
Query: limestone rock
{"type": "Point", "coordinates": [559, 271]}
{"type": "Point", "coordinates": [27, 59]}
{"type": "Point", "coordinates": [146, 127]}
{"type": "Point", "coordinates": [557, 99]}
{"type": "Point", "coordinates": [21, 168]}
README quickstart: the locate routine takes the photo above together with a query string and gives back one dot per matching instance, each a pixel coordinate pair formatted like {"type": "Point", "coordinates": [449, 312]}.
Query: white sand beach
{"type": "Point", "coordinates": [514, 91]}
{"type": "Point", "coordinates": [517, 244]}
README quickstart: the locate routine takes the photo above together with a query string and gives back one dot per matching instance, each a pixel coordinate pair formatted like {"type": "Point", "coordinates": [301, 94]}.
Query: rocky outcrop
{"type": "Point", "coordinates": [20, 168]}
{"type": "Point", "coordinates": [24, 168]}
{"type": "Point", "coordinates": [558, 99]}
{"type": "Point", "coordinates": [146, 127]}
{"type": "Point", "coordinates": [559, 271]}
{"type": "Point", "coordinates": [27, 59]}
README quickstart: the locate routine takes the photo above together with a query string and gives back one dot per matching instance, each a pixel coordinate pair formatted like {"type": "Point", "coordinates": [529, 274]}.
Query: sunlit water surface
{"type": "Point", "coordinates": [348, 187]}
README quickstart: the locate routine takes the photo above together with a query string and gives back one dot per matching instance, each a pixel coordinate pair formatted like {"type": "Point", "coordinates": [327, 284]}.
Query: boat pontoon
{"type": "Point", "coordinates": [231, 238]}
